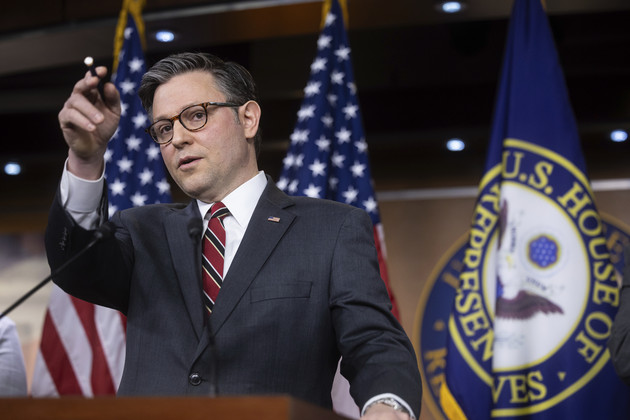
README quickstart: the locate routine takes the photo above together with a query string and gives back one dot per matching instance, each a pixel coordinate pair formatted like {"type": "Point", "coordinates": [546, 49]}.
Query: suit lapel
{"type": "Point", "coordinates": [186, 258]}
{"type": "Point", "coordinates": [268, 224]}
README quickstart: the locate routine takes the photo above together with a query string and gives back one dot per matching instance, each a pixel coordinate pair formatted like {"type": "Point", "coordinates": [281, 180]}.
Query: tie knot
{"type": "Point", "coordinates": [218, 210]}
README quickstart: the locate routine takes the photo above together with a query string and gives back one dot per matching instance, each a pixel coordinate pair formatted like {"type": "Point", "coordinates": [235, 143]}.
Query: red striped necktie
{"type": "Point", "coordinates": [213, 255]}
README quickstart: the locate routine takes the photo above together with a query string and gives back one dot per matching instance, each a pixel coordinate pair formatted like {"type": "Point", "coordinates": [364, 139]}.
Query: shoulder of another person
{"type": "Point", "coordinates": [6, 324]}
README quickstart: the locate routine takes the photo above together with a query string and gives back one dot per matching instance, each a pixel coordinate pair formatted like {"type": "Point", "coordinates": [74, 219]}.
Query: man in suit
{"type": "Point", "coordinates": [299, 283]}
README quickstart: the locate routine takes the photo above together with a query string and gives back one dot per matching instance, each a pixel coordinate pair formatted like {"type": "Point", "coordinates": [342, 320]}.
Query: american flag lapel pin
{"type": "Point", "coordinates": [273, 219]}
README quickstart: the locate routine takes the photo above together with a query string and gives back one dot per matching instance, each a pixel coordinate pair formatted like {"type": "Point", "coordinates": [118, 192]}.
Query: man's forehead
{"type": "Point", "coordinates": [183, 90]}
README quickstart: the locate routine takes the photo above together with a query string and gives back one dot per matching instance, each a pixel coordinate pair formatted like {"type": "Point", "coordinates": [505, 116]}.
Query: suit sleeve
{"type": "Point", "coordinates": [101, 275]}
{"type": "Point", "coordinates": [619, 342]}
{"type": "Point", "coordinates": [377, 356]}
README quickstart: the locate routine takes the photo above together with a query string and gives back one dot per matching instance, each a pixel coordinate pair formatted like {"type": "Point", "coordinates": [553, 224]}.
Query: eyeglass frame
{"type": "Point", "coordinates": [177, 117]}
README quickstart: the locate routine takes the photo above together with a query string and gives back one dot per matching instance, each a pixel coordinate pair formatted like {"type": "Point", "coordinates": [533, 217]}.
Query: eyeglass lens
{"type": "Point", "coordinates": [192, 118]}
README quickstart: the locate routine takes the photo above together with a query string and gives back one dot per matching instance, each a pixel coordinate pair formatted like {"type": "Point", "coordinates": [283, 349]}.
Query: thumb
{"type": "Point", "coordinates": [112, 97]}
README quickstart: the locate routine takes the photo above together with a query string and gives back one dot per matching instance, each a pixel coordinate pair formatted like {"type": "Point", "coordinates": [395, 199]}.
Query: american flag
{"type": "Point", "coordinates": [83, 345]}
{"type": "Point", "coordinates": [327, 157]}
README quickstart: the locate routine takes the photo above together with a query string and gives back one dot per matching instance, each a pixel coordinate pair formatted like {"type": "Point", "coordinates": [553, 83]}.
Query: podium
{"type": "Point", "coordinates": [167, 408]}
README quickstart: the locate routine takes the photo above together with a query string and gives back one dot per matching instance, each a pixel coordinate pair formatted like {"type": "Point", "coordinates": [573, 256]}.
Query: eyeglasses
{"type": "Point", "coordinates": [192, 118]}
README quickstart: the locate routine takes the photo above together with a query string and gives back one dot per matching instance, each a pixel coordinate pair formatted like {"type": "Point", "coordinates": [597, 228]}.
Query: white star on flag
{"type": "Point", "coordinates": [153, 152]}
{"type": "Point", "coordinates": [357, 169]}
{"type": "Point", "coordinates": [343, 53]}
{"type": "Point", "coordinates": [127, 87]}
{"type": "Point", "coordinates": [361, 146]}
{"type": "Point", "coordinates": [117, 187]}
{"type": "Point", "coordinates": [343, 135]}
{"type": "Point", "coordinates": [352, 87]}
{"type": "Point", "coordinates": [139, 199]}
{"type": "Point", "coordinates": [350, 111]}
{"type": "Point", "coordinates": [350, 194]}
{"type": "Point", "coordinates": [370, 205]}
{"type": "Point", "coordinates": [140, 120]}
{"type": "Point", "coordinates": [324, 42]}
{"type": "Point", "coordinates": [318, 168]}
{"type": "Point", "coordinates": [318, 65]}
{"type": "Point", "coordinates": [312, 191]}
{"type": "Point", "coordinates": [133, 143]}
{"type": "Point", "coordinates": [288, 160]}
{"type": "Point", "coordinates": [337, 77]}
{"type": "Point", "coordinates": [323, 144]}
{"type": "Point", "coordinates": [330, 19]}
{"type": "Point", "coordinates": [306, 112]}
{"type": "Point", "coordinates": [135, 65]}
{"type": "Point", "coordinates": [146, 176]}
{"type": "Point", "coordinates": [293, 186]}
{"type": "Point", "coordinates": [312, 88]}
{"type": "Point", "coordinates": [111, 209]}
{"type": "Point", "coordinates": [125, 164]}
{"type": "Point", "coordinates": [299, 136]}
{"type": "Point", "coordinates": [337, 159]}
{"type": "Point", "coordinates": [163, 187]}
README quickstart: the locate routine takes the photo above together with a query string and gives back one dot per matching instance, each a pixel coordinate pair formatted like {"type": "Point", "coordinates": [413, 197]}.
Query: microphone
{"type": "Point", "coordinates": [104, 231]}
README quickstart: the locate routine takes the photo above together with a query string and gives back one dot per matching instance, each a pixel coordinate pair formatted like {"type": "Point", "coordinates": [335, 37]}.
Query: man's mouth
{"type": "Point", "coordinates": [186, 161]}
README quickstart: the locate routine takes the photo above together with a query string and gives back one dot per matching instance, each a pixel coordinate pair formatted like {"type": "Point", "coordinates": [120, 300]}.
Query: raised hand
{"type": "Point", "coordinates": [88, 122]}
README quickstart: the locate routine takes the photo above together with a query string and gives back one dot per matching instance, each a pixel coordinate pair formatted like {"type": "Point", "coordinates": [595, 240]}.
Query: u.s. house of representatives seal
{"type": "Point", "coordinates": [537, 286]}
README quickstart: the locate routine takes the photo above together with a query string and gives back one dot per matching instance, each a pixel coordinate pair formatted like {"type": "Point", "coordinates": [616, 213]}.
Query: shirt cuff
{"type": "Point", "coordinates": [393, 396]}
{"type": "Point", "coordinates": [81, 198]}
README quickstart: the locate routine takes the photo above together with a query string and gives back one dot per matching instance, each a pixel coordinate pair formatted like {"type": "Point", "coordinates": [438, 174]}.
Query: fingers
{"type": "Point", "coordinates": [112, 98]}
{"type": "Point", "coordinates": [89, 82]}
{"type": "Point", "coordinates": [85, 108]}
{"type": "Point", "coordinates": [80, 112]}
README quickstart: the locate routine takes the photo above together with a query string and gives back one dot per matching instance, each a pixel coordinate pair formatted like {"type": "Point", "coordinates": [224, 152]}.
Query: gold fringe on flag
{"type": "Point", "coordinates": [449, 404]}
{"type": "Point", "coordinates": [326, 8]}
{"type": "Point", "coordinates": [133, 7]}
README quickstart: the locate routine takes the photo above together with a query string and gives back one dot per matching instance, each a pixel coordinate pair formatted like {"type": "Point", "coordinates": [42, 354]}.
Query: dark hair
{"type": "Point", "coordinates": [232, 79]}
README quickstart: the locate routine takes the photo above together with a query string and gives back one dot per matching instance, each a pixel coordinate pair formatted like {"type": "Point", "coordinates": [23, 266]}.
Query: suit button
{"type": "Point", "coordinates": [194, 379]}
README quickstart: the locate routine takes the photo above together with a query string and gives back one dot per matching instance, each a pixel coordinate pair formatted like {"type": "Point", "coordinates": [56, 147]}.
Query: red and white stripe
{"type": "Point", "coordinates": [82, 349]}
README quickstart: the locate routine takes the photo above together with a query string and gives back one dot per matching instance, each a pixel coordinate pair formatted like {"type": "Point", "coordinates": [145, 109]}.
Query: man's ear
{"type": "Point", "coordinates": [250, 118]}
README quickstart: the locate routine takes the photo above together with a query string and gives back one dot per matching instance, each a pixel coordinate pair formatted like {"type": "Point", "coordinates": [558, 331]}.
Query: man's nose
{"type": "Point", "coordinates": [180, 134]}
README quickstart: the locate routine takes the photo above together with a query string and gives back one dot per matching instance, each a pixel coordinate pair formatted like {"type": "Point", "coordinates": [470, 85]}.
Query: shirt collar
{"type": "Point", "coordinates": [242, 201]}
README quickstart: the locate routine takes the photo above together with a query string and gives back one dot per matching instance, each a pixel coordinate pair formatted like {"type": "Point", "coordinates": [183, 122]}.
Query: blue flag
{"type": "Point", "coordinates": [537, 294]}
{"type": "Point", "coordinates": [135, 172]}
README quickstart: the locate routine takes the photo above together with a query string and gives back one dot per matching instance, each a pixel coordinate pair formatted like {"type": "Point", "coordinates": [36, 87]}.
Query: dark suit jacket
{"type": "Point", "coordinates": [300, 292]}
{"type": "Point", "coordinates": [619, 342]}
